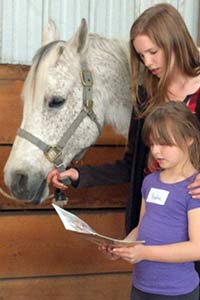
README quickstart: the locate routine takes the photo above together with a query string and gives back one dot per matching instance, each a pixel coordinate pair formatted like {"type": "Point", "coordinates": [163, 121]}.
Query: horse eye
{"type": "Point", "coordinates": [56, 102]}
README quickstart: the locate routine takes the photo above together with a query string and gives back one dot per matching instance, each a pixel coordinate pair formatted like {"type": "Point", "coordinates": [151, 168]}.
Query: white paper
{"type": "Point", "coordinates": [73, 223]}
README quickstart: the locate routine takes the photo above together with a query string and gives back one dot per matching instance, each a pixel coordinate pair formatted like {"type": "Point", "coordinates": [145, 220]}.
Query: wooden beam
{"type": "Point", "coordinates": [14, 72]}
{"type": "Point", "coordinates": [87, 287]}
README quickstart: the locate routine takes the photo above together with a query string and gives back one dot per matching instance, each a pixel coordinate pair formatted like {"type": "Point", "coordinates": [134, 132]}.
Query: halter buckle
{"type": "Point", "coordinates": [89, 104]}
{"type": "Point", "coordinates": [52, 154]}
{"type": "Point", "coordinates": [86, 78]}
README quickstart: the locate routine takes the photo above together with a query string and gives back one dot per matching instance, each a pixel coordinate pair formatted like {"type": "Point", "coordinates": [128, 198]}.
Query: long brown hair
{"type": "Point", "coordinates": [172, 123]}
{"type": "Point", "coordinates": [164, 25]}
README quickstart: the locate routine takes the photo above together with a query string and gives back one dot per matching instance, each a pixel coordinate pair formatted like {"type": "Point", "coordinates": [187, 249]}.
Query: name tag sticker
{"type": "Point", "coordinates": [157, 196]}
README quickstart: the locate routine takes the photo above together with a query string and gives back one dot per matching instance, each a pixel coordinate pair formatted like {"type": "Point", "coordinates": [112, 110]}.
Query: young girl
{"type": "Point", "coordinates": [170, 217]}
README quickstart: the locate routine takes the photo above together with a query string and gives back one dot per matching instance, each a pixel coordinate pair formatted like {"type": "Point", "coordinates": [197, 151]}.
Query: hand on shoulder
{"type": "Point", "coordinates": [194, 188]}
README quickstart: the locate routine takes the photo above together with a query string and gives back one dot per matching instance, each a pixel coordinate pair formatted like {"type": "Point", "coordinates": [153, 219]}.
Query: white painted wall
{"type": "Point", "coordinates": [21, 21]}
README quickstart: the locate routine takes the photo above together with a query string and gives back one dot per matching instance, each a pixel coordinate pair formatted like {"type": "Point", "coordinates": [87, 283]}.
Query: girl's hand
{"type": "Point", "coordinates": [55, 177]}
{"type": "Point", "coordinates": [108, 252]}
{"type": "Point", "coordinates": [132, 255]}
{"type": "Point", "coordinates": [194, 188]}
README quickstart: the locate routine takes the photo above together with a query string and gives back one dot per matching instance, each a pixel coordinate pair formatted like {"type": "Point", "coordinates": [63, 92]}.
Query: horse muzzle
{"type": "Point", "coordinates": [32, 190]}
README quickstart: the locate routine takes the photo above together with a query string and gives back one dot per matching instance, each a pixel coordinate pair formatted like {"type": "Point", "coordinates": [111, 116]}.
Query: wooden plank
{"type": "Point", "coordinates": [37, 244]}
{"type": "Point", "coordinates": [97, 197]}
{"type": "Point", "coordinates": [14, 72]}
{"type": "Point", "coordinates": [110, 137]}
{"type": "Point", "coordinates": [11, 109]}
{"type": "Point", "coordinates": [89, 287]}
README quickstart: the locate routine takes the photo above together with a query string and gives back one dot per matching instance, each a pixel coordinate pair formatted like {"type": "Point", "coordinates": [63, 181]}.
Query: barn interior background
{"type": "Point", "coordinates": [39, 259]}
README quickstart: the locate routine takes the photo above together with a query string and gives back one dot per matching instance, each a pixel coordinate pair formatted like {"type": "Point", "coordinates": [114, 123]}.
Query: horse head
{"type": "Point", "coordinates": [68, 95]}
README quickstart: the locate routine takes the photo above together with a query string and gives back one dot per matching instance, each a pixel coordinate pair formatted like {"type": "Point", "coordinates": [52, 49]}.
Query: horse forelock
{"type": "Point", "coordinates": [44, 51]}
{"type": "Point", "coordinates": [45, 57]}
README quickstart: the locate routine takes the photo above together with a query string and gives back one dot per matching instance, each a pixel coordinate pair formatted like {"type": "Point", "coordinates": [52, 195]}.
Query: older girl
{"type": "Point", "coordinates": [165, 65]}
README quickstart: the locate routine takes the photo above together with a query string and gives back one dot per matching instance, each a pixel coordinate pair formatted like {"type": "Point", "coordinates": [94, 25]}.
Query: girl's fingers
{"type": "Point", "coordinates": [195, 193]}
{"type": "Point", "coordinates": [51, 175]}
{"type": "Point", "coordinates": [195, 184]}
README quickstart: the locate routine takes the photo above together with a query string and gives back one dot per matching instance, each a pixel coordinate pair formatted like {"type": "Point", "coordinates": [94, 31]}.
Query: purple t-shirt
{"type": "Point", "coordinates": [165, 222]}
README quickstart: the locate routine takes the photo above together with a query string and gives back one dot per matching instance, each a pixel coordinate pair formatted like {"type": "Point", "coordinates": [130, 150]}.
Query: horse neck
{"type": "Point", "coordinates": [109, 61]}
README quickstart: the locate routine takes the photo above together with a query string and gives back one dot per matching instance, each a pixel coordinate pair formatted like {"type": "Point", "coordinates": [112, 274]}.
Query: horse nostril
{"type": "Point", "coordinates": [28, 187]}
{"type": "Point", "coordinates": [19, 185]}
{"type": "Point", "coordinates": [21, 180]}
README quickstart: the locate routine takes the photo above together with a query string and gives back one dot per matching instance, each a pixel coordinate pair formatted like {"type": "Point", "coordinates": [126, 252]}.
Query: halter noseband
{"type": "Point", "coordinates": [54, 153]}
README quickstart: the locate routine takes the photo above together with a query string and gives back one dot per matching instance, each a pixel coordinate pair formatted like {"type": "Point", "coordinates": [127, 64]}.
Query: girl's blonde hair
{"type": "Point", "coordinates": [164, 25]}
{"type": "Point", "coordinates": [172, 123]}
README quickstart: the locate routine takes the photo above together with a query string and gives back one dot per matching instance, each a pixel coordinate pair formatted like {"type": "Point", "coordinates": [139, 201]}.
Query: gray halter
{"type": "Point", "coordinates": [54, 153]}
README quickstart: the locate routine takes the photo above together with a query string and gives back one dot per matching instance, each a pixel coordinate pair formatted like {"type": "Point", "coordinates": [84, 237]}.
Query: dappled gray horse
{"type": "Point", "coordinates": [73, 88]}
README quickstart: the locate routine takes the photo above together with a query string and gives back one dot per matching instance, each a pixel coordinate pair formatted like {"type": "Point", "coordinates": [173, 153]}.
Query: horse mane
{"type": "Point", "coordinates": [116, 53]}
{"type": "Point", "coordinates": [117, 48]}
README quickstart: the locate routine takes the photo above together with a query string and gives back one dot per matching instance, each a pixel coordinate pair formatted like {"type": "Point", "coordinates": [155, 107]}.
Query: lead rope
{"type": "Point", "coordinates": [6, 195]}
{"type": "Point", "coordinates": [60, 203]}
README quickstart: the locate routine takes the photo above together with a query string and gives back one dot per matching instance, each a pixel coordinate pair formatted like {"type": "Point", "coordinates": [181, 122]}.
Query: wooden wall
{"type": "Point", "coordinates": [39, 258]}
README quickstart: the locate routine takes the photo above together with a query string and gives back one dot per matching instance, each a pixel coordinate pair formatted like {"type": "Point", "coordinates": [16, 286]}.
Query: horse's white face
{"type": "Point", "coordinates": [52, 100]}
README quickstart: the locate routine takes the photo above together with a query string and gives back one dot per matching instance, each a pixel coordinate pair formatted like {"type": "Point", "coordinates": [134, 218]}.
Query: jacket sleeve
{"type": "Point", "coordinates": [119, 171]}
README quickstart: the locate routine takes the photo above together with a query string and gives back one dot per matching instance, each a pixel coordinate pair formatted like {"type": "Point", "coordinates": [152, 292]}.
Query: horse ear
{"type": "Point", "coordinates": [80, 39]}
{"type": "Point", "coordinates": [50, 33]}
